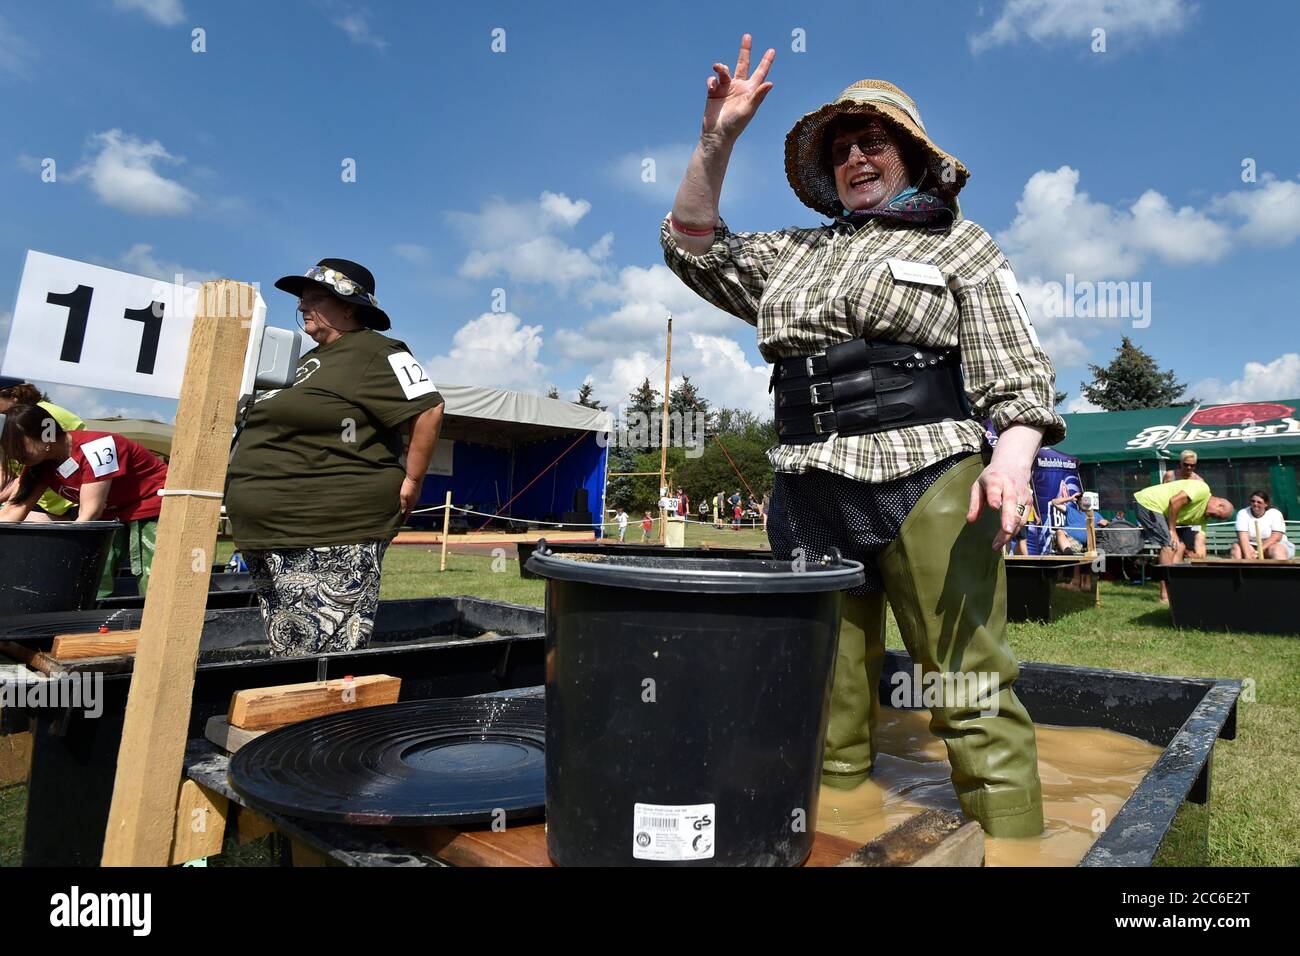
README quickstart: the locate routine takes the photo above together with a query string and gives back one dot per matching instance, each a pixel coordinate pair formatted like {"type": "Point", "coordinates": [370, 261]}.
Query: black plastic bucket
{"type": "Point", "coordinates": [52, 565]}
{"type": "Point", "coordinates": [686, 706]}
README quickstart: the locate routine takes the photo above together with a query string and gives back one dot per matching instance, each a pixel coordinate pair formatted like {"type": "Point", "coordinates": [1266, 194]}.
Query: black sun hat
{"type": "Point", "coordinates": [345, 280]}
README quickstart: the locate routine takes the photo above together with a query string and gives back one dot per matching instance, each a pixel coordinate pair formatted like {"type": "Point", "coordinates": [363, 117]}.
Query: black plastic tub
{"type": "Point", "coordinates": [1247, 597]}
{"type": "Point", "coordinates": [686, 706]}
{"type": "Point", "coordinates": [1042, 588]}
{"type": "Point", "coordinates": [526, 549]}
{"type": "Point", "coordinates": [439, 647]}
{"type": "Point", "coordinates": [231, 589]}
{"type": "Point", "coordinates": [52, 565]}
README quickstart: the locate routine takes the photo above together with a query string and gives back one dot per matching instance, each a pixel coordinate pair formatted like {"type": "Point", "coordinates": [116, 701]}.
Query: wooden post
{"type": "Point", "coordinates": [142, 818]}
{"type": "Point", "coordinates": [1259, 543]}
{"type": "Point", "coordinates": [663, 435]}
{"type": "Point", "coordinates": [446, 527]}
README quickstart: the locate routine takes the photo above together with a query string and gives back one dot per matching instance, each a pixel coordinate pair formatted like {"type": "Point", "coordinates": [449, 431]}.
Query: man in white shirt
{"type": "Point", "coordinates": [1272, 528]}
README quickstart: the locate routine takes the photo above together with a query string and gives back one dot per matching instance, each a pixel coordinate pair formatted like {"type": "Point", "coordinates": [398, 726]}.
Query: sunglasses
{"type": "Point", "coordinates": [869, 142]}
{"type": "Point", "coordinates": [340, 283]}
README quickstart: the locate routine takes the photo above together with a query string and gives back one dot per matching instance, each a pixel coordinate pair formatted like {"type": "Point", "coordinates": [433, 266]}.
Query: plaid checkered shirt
{"type": "Point", "coordinates": [807, 289]}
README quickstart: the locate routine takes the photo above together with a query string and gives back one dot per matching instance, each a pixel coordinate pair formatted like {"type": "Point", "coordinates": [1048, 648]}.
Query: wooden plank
{"type": "Point", "coordinates": [265, 708]}
{"type": "Point", "coordinates": [520, 845]}
{"type": "Point", "coordinates": [75, 647]}
{"type": "Point", "coordinates": [15, 758]}
{"type": "Point", "coordinates": [525, 845]}
{"type": "Point", "coordinates": [920, 841]}
{"type": "Point", "coordinates": [229, 739]}
{"type": "Point", "coordinates": [200, 823]}
{"type": "Point", "coordinates": [36, 659]}
{"type": "Point", "coordinates": [142, 817]}
{"type": "Point", "coordinates": [1246, 562]}
{"type": "Point", "coordinates": [251, 825]}
{"type": "Point", "coordinates": [963, 848]}
{"type": "Point", "coordinates": [304, 855]}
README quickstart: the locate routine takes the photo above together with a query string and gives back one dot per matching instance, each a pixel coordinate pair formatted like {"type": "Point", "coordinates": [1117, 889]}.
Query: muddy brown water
{"type": "Point", "coordinates": [1087, 775]}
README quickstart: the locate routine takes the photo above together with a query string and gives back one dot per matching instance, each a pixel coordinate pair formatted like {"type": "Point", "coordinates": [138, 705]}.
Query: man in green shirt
{"type": "Point", "coordinates": [1164, 507]}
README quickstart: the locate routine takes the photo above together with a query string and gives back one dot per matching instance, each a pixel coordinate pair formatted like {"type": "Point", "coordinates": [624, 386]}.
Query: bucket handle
{"type": "Point", "coordinates": [541, 548]}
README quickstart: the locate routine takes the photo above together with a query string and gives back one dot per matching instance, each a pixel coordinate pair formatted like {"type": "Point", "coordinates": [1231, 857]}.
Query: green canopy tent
{"type": "Point", "coordinates": [1242, 447]}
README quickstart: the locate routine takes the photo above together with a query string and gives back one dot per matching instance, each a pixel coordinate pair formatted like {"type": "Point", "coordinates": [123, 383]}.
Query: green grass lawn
{"type": "Point", "coordinates": [1255, 817]}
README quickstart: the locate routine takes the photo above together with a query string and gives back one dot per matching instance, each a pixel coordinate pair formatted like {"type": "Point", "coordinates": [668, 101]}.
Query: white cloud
{"type": "Point", "coordinates": [540, 259]}
{"type": "Point", "coordinates": [495, 350]}
{"type": "Point", "coordinates": [559, 209]}
{"type": "Point", "coordinates": [16, 54]}
{"type": "Point", "coordinates": [412, 252]}
{"type": "Point", "coordinates": [1047, 21]}
{"type": "Point", "coordinates": [1081, 404]}
{"type": "Point", "coordinates": [625, 343]}
{"type": "Point", "coordinates": [1059, 230]}
{"type": "Point", "coordinates": [1271, 210]}
{"type": "Point", "coordinates": [715, 364]}
{"type": "Point", "coordinates": [1181, 237]}
{"type": "Point", "coordinates": [141, 260]}
{"type": "Point", "coordinates": [356, 24]}
{"type": "Point", "coordinates": [168, 13]}
{"type": "Point", "coordinates": [123, 176]}
{"type": "Point", "coordinates": [96, 403]}
{"type": "Point", "coordinates": [1260, 381]}
{"type": "Point", "coordinates": [520, 241]}
{"type": "Point", "coordinates": [654, 173]}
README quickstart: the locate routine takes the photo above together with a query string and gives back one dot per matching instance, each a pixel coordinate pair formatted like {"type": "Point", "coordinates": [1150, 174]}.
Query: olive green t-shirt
{"type": "Point", "coordinates": [322, 462]}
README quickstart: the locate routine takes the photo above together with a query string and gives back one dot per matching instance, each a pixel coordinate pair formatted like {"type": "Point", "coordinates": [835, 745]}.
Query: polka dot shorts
{"type": "Point", "coordinates": [817, 510]}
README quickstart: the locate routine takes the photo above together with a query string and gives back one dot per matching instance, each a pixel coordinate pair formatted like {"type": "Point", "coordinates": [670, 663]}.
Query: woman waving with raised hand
{"type": "Point", "coordinates": [894, 329]}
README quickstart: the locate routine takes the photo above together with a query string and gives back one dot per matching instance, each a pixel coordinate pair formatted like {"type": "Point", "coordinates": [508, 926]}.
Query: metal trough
{"type": "Point", "coordinates": [1250, 597]}
{"type": "Point", "coordinates": [430, 644]}
{"type": "Point", "coordinates": [439, 647]}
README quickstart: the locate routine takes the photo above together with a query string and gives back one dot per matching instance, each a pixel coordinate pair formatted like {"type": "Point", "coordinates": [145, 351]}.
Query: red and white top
{"type": "Point", "coordinates": [136, 472]}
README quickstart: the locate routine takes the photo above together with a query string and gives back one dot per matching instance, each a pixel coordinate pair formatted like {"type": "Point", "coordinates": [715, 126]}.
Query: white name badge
{"type": "Point", "coordinates": [67, 468]}
{"type": "Point", "coordinates": [102, 455]}
{"type": "Point", "coordinates": [925, 273]}
{"type": "Point", "coordinates": [410, 375]}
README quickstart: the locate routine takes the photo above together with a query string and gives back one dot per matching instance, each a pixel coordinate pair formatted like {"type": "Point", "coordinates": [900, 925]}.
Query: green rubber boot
{"type": "Point", "coordinates": [948, 589]}
{"type": "Point", "coordinates": [855, 700]}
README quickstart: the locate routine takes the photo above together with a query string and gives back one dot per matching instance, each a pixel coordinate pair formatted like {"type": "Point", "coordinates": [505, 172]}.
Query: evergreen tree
{"type": "Point", "coordinates": [585, 397]}
{"type": "Point", "coordinates": [1132, 380]}
{"type": "Point", "coordinates": [552, 392]}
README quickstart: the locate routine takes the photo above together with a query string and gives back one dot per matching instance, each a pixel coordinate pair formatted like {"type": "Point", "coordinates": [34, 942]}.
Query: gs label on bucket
{"type": "Point", "coordinates": [673, 833]}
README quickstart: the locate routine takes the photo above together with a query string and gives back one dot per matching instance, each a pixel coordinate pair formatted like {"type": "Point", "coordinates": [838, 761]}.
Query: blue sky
{"type": "Point", "coordinates": [521, 170]}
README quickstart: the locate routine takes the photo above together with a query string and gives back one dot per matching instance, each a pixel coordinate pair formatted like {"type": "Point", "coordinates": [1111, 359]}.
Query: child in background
{"type": "Point", "coordinates": [621, 518]}
{"type": "Point", "coordinates": [735, 524]}
{"type": "Point", "coordinates": [646, 527]}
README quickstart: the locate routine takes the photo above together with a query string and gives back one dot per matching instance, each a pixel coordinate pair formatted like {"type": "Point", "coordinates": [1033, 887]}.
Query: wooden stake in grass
{"type": "Point", "coordinates": [141, 821]}
{"type": "Point", "coordinates": [446, 526]}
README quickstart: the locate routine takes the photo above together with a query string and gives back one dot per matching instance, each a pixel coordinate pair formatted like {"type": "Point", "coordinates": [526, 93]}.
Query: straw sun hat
{"type": "Point", "coordinates": [805, 145]}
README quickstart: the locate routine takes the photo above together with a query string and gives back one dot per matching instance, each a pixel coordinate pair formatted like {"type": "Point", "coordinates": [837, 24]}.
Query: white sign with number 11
{"type": "Point", "coordinates": [82, 324]}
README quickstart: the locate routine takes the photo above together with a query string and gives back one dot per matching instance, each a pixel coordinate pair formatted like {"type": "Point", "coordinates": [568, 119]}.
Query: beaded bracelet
{"type": "Point", "coordinates": [689, 232]}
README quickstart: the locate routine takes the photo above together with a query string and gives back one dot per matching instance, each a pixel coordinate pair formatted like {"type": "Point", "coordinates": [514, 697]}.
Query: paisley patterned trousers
{"type": "Point", "coordinates": [318, 600]}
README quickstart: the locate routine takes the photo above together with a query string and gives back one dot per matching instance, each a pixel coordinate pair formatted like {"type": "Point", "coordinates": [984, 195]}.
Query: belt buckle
{"type": "Point", "coordinates": [817, 425]}
{"type": "Point", "coordinates": [808, 365]}
{"type": "Point", "coordinates": [812, 393]}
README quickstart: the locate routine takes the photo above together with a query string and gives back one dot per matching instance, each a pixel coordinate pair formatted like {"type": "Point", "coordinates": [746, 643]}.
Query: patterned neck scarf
{"type": "Point", "coordinates": [911, 205]}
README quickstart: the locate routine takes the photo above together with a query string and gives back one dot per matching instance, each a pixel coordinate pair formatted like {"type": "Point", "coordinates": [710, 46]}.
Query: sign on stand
{"type": "Point", "coordinates": [80, 324]}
